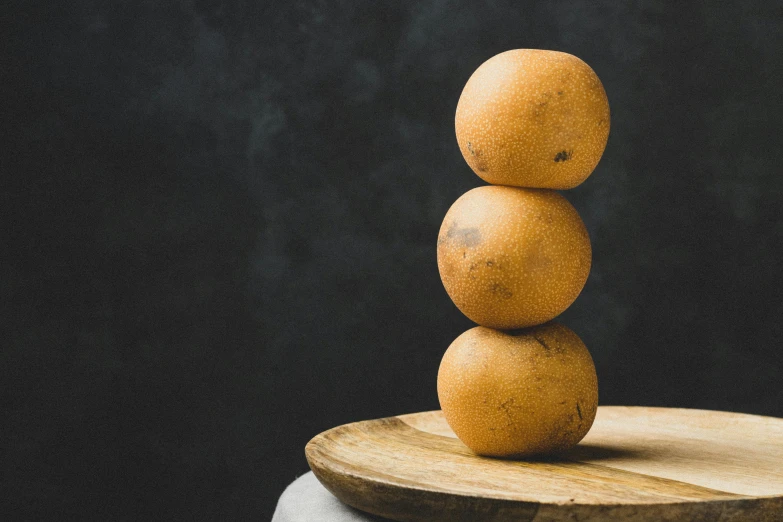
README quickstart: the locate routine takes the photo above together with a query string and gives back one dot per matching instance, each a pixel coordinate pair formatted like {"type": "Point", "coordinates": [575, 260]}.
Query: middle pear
{"type": "Point", "coordinates": [513, 257]}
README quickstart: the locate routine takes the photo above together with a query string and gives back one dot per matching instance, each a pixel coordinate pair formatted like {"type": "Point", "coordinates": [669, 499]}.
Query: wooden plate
{"type": "Point", "coordinates": [645, 464]}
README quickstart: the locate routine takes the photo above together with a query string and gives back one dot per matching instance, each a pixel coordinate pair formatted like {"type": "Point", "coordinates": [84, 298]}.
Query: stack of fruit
{"type": "Point", "coordinates": [515, 254]}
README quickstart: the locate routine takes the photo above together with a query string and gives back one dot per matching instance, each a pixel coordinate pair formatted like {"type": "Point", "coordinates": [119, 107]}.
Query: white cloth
{"type": "Point", "coordinates": [306, 500]}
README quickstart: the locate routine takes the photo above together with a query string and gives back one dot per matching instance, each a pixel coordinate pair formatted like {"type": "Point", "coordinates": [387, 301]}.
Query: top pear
{"type": "Point", "coordinates": [533, 118]}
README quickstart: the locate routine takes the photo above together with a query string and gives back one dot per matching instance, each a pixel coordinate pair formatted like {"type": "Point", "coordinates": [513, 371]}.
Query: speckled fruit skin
{"type": "Point", "coordinates": [519, 393]}
{"type": "Point", "coordinates": [511, 257]}
{"type": "Point", "coordinates": [533, 118]}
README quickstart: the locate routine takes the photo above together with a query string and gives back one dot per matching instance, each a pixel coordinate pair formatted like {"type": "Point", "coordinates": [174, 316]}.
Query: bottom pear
{"type": "Point", "coordinates": [518, 393]}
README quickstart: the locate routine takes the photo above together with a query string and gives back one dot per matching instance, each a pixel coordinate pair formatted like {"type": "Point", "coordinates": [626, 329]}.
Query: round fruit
{"type": "Point", "coordinates": [511, 257]}
{"type": "Point", "coordinates": [533, 118]}
{"type": "Point", "coordinates": [518, 393]}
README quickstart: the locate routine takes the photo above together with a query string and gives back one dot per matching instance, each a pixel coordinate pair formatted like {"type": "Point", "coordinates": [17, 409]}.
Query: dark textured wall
{"type": "Point", "coordinates": [219, 224]}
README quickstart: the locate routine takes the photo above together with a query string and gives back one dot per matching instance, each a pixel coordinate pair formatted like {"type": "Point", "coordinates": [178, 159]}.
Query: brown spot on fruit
{"type": "Point", "coordinates": [542, 343]}
{"type": "Point", "coordinates": [500, 290]}
{"type": "Point", "coordinates": [461, 236]}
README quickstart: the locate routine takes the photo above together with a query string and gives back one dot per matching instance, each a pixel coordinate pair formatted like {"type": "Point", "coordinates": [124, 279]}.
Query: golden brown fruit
{"type": "Point", "coordinates": [533, 118]}
{"type": "Point", "coordinates": [518, 393]}
{"type": "Point", "coordinates": [511, 257]}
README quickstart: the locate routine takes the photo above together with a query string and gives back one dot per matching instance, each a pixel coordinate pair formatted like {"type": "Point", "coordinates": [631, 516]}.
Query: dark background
{"type": "Point", "coordinates": [219, 223]}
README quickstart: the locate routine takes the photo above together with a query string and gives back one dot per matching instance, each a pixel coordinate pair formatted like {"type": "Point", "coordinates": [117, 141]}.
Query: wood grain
{"type": "Point", "coordinates": [640, 464]}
